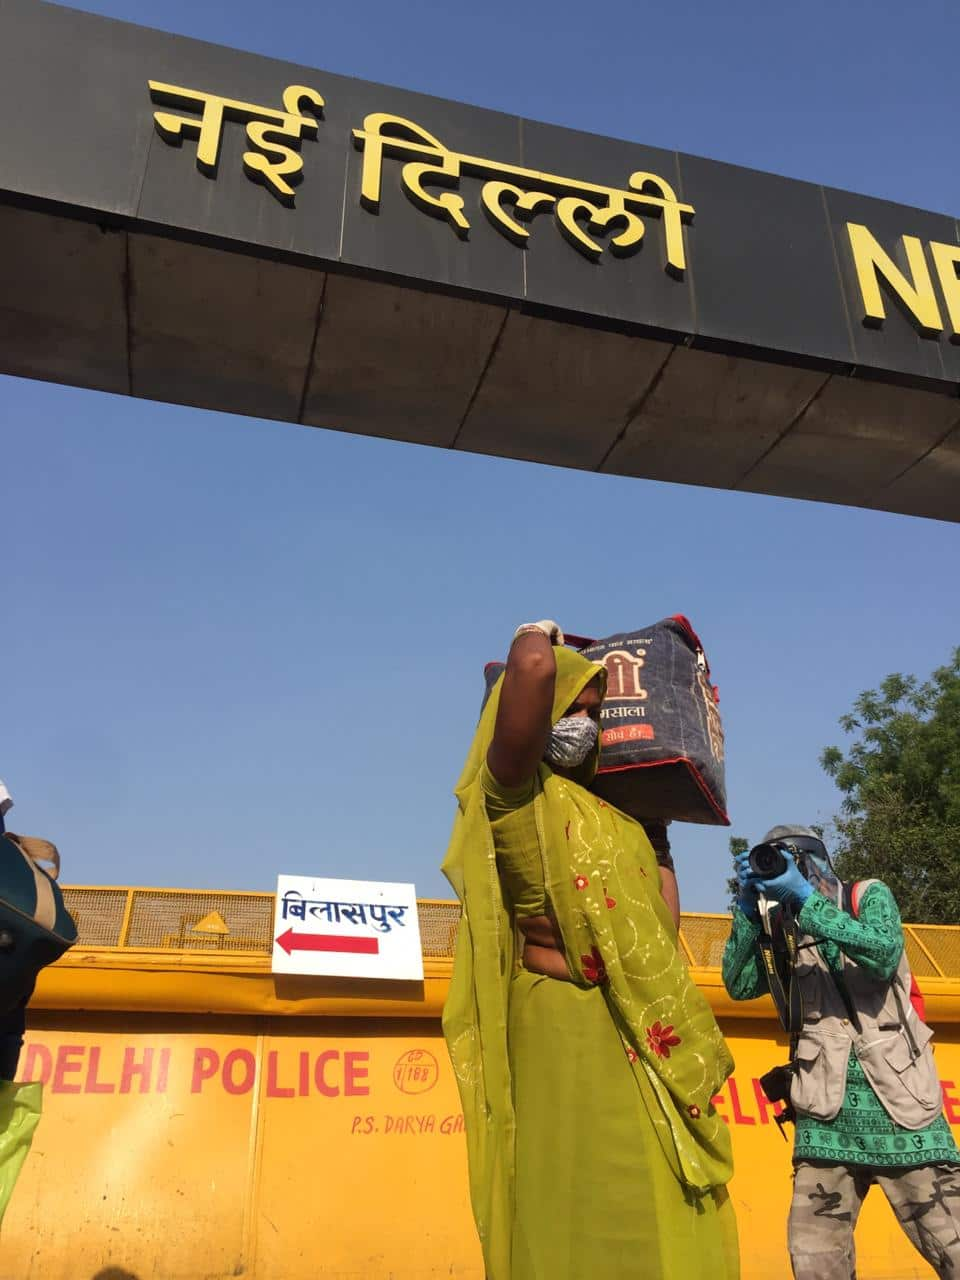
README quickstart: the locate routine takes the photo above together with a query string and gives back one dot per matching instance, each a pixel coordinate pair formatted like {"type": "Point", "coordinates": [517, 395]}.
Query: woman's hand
{"type": "Point", "coordinates": [549, 628]}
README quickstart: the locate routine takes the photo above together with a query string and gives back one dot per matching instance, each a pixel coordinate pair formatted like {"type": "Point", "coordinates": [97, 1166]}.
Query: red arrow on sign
{"type": "Point", "coordinates": [291, 942]}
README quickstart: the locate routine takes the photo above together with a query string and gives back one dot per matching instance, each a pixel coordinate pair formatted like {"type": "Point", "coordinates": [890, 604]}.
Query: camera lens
{"type": "Point", "coordinates": [766, 860]}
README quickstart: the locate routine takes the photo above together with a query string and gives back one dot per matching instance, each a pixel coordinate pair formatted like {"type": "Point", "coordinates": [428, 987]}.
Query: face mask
{"type": "Point", "coordinates": [571, 741]}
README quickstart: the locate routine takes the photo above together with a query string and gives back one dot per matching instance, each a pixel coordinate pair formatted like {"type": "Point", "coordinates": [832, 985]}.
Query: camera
{"type": "Point", "coordinates": [766, 860]}
{"type": "Point", "coordinates": [776, 1085]}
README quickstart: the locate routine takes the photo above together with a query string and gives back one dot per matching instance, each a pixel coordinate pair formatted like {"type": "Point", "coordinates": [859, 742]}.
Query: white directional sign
{"type": "Point", "coordinates": [346, 928]}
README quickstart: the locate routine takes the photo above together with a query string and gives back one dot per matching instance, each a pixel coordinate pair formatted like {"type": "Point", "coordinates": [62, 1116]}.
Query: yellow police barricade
{"type": "Point", "coordinates": [204, 1118]}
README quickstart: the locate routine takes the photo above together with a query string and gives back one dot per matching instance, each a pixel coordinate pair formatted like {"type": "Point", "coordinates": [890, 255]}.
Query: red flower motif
{"type": "Point", "coordinates": [594, 970]}
{"type": "Point", "coordinates": [611, 902]}
{"type": "Point", "coordinates": [661, 1039]}
{"type": "Point", "coordinates": [632, 1055]}
{"type": "Point", "coordinates": [694, 1112]}
{"type": "Point", "coordinates": [581, 882]}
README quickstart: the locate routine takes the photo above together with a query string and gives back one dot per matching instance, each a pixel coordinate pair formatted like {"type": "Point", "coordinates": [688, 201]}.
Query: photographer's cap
{"type": "Point", "coordinates": [6, 800]}
{"type": "Point", "coordinates": [785, 833]}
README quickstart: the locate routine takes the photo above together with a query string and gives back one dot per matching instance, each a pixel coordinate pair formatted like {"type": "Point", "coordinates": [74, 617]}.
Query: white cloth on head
{"type": "Point", "coordinates": [6, 801]}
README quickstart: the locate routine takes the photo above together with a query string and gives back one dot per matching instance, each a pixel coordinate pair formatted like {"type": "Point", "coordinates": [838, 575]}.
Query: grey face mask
{"type": "Point", "coordinates": [571, 741]}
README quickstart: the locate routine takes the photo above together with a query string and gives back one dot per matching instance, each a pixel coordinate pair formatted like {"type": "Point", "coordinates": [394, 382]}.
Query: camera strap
{"type": "Point", "coordinates": [777, 945]}
{"type": "Point", "coordinates": [778, 950]}
{"type": "Point", "coordinates": [915, 1050]}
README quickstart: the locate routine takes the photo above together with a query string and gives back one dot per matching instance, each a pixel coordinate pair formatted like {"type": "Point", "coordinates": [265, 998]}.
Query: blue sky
{"type": "Point", "coordinates": [235, 648]}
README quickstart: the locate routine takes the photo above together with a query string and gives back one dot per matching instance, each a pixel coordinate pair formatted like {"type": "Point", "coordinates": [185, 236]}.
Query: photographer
{"type": "Point", "coordinates": [861, 1082]}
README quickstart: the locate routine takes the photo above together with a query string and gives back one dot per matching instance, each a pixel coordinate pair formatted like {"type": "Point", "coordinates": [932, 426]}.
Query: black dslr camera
{"type": "Point", "coordinates": [768, 861]}
{"type": "Point", "coordinates": [776, 1085]}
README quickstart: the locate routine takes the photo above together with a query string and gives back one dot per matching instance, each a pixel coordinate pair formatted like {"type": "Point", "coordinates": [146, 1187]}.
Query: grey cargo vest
{"type": "Point", "coordinates": [902, 1075]}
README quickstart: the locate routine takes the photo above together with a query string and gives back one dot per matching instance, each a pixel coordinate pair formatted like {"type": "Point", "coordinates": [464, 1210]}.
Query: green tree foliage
{"type": "Point", "coordinates": [737, 845]}
{"type": "Point", "coordinates": [900, 781]}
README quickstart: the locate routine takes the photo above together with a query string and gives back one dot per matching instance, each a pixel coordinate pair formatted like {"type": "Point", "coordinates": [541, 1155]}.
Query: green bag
{"type": "Point", "coordinates": [35, 926]}
{"type": "Point", "coordinates": [20, 1106]}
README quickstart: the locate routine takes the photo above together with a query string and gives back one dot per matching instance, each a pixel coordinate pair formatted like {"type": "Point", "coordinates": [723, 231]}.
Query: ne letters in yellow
{"type": "Point", "coordinates": [914, 286]}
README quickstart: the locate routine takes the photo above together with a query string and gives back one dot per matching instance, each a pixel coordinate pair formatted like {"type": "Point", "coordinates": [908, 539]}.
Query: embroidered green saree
{"type": "Point", "coordinates": [594, 1150]}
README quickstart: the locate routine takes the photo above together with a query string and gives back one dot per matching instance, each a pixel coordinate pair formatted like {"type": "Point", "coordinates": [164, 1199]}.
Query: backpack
{"type": "Point", "coordinates": [852, 894]}
{"type": "Point", "coordinates": [35, 926]}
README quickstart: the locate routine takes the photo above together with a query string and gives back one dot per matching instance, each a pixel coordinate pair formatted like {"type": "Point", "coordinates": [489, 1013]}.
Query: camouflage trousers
{"type": "Point", "coordinates": [826, 1205]}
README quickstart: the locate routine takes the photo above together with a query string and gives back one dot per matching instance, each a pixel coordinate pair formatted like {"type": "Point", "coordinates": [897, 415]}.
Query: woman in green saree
{"type": "Point", "coordinates": [585, 1056]}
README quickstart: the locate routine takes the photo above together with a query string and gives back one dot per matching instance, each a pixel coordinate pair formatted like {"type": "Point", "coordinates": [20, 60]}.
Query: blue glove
{"type": "Point", "coordinates": [746, 881]}
{"type": "Point", "coordinates": [790, 889]}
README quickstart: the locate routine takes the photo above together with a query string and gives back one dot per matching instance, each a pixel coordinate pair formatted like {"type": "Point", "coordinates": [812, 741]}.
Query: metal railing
{"type": "Point", "coordinates": [205, 921]}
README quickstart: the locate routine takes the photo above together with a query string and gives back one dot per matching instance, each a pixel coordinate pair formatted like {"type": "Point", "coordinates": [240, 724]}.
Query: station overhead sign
{"type": "Point", "coordinates": [269, 238]}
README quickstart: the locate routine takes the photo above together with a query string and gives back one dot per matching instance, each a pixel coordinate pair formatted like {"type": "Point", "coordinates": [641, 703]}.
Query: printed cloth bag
{"type": "Point", "coordinates": [661, 752]}
{"type": "Point", "coordinates": [661, 739]}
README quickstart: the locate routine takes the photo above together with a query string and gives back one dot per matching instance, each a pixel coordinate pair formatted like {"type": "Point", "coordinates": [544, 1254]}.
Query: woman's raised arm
{"type": "Point", "coordinates": [526, 703]}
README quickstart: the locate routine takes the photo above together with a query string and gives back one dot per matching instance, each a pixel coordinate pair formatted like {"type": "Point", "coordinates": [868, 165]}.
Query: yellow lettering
{"type": "Point", "coordinates": [430, 174]}
{"type": "Point", "coordinates": [274, 135]}
{"type": "Point", "coordinates": [946, 259]}
{"type": "Point", "coordinates": [510, 192]}
{"type": "Point", "coordinates": [916, 293]}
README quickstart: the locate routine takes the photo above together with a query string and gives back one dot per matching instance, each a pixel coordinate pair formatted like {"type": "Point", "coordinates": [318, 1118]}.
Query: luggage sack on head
{"type": "Point", "coordinates": [661, 753]}
{"type": "Point", "coordinates": [35, 926]}
{"type": "Point", "coordinates": [661, 740]}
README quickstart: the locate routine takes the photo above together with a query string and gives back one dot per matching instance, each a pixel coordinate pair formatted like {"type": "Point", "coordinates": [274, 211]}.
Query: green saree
{"type": "Point", "coordinates": [594, 1150]}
